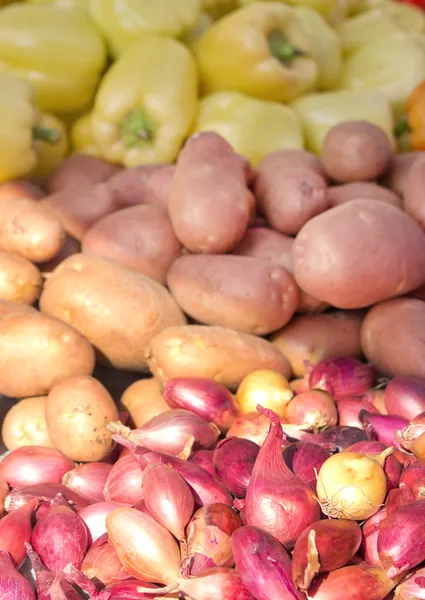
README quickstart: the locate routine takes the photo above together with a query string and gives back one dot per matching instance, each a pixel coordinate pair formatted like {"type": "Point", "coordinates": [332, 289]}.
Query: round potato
{"type": "Point", "coordinates": [315, 337]}
{"type": "Point", "coordinates": [80, 170]}
{"type": "Point", "coordinates": [399, 168]}
{"type": "Point", "coordinates": [143, 400]}
{"type": "Point", "coordinates": [19, 188]}
{"type": "Point", "coordinates": [356, 151]}
{"type": "Point", "coordinates": [359, 253]}
{"type": "Point", "coordinates": [413, 197]}
{"type": "Point", "coordinates": [25, 424]}
{"type": "Point", "coordinates": [71, 246]}
{"type": "Point", "coordinates": [29, 229]}
{"type": "Point", "coordinates": [158, 186]}
{"type": "Point", "coordinates": [8, 307]}
{"type": "Point", "coordinates": [290, 159]}
{"type": "Point", "coordinates": [393, 337]}
{"type": "Point", "coordinates": [118, 310]}
{"type": "Point", "coordinates": [240, 292]}
{"type": "Point", "coordinates": [37, 351]}
{"type": "Point", "coordinates": [128, 187]}
{"type": "Point", "coordinates": [20, 280]}
{"type": "Point", "coordinates": [361, 190]}
{"type": "Point", "coordinates": [78, 409]}
{"type": "Point", "coordinates": [140, 238]}
{"type": "Point", "coordinates": [219, 353]}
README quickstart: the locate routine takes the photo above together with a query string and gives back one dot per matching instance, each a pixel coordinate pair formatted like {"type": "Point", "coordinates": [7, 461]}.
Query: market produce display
{"type": "Point", "coordinates": [212, 300]}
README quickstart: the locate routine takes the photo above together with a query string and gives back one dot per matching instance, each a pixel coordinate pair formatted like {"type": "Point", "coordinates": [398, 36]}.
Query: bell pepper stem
{"type": "Point", "coordinates": [402, 126]}
{"type": "Point", "coordinates": [280, 48]}
{"type": "Point", "coordinates": [45, 134]}
{"type": "Point", "coordinates": [136, 128]}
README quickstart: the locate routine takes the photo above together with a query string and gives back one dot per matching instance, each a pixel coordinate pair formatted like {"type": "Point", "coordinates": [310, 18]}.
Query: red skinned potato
{"type": "Point", "coordinates": [291, 159]}
{"type": "Point", "coordinates": [218, 353]}
{"type": "Point", "coordinates": [315, 337]}
{"type": "Point", "coordinates": [393, 337]}
{"type": "Point", "coordinates": [210, 204]}
{"type": "Point", "coordinates": [70, 247]}
{"type": "Point", "coordinates": [413, 197]}
{"type": "Point", "coordinates": [361, 190]}
{"type": "Point", "coordinates": [139, 237]}
{"type": "Point", "coordinates": [239, 292]}
{"type": "Point", "coordinates": [128, 186]}
{"type": "Point", "coordinates": [80, 170]}
{"type": "Point", "coordinates": [18, 188]}
{"type": "Point", "coordinates": [158, 186]}
{"type": "Point", "coordinates": [272, 246]}
{"type": "Point", "coordinates": [359, 253]}
{"type": "Point", "coordinates": [118, 310]}
{"type": "Point", "coordinates": [289, 196]}
{"type": "Point", "coordinates": [400, 166]}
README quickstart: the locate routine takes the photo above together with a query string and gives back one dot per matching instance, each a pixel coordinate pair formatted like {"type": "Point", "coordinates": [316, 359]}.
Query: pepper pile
{"type": "Point", "coordinates": [129, 81]}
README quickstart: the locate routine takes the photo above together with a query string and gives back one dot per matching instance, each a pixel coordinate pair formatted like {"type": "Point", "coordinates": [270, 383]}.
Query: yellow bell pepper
{"type": "Point", "coordinates": [50, 155]}
{"type": "Point", "coordinates": [203, 23]}
{"type": "Point", "coordinates": [261, 50]}
{"type": "Point", "coordinates": [56, 50]}
{"type": "Point", "coordinates": [20, 127]}
{"type": "Point", "coordinates": [319, 112]}
{"type": "Point", "coordinates": [218, 8]}
{"type": "Point", "coordinates": [392, 65]}
{"type": "Point", "coordinates": [122, 21]}
{"type": "Point", "coordinates": [334, 11]}
{"type": "Point", "coordinates": [82, 140]}
{"type": "Point", "coordinates": [326, 48]}
{"type": "Point", "coordinates": [62, 3]}
{"type": "Point", "coordinates": [253, 127]}
{"type": "Point", "coordinates": [146, 102]}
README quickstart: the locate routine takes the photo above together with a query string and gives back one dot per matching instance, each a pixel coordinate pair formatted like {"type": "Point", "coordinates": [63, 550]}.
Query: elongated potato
{"type": "Point", "coordinates": [399, 168]}
{"type": "Point", "coordinates": [81, 170]}
{"type": "Point", "coordinates": [143, 400]}
{"type": "Point", "coordinates": [71, 246]}
{"type": "Point", "coordinates": [413, 197]}
{"type": "Point", "coordinates": [222, 354]}
{"type": "Point", "coordinates": [29, 229]}
{"type": "Point", "coordinates": [359, 253]}
{"type": "Point", "coordinates": [128, 187]}
{"type": "Point", "coordinates": [393, 337]}
{"type": "Point", "coordinates": [37, 351]}
{"type": "Point", "coordinates": [118, 310]}
{"type": "Point", "coordinates": [291, 159]}
{"type": "Point", "coordinates": [159, 185]}
{"type": "Point", "coordinates": [139, 237]}
{"type": "Point", "coordinates": [78, 409]}
{"type": "Point", "coordinates": [210, 204]}
{"type": "Point", "coordinates": [20, 280]}
{"type": "Point", "coordinates": [25, 424]}
{"type": "Point", "coordinates": [361, 190]}
{"type": "Point", "coordinates": [240, 292]}
{"type": "Point", "coordinates": [8, 307]}
{"type": "Point", "coordinates": [315, 337]}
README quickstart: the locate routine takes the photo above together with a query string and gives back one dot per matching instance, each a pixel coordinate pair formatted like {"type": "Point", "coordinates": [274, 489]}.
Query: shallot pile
{"type": "Point", "coordinates": [317, 492]}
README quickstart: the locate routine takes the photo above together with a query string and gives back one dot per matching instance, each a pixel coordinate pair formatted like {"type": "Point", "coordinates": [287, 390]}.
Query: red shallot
{"type": "Point", "coordinates": [382, 427]}
{"type": "Point", "coordinates": [342, 377]}
{"type": "Point", "coordinates": [15, 531]}
{"type": "Point", "coordinates": [204, 459]}
{"type": "Point", "coordinates": [13, 586]}
{"type": "Point", "coordinates": [234, 460]}
{"type": "Point", "coordinates": [406, 437]}
{"type": "Point", "coordinates": [124, 482]}
{"type": "Point", "coordinates": [314, 408]}
{"type": "Point", "coordinates": [88, 480]}
{"type": "Point", "coordinates": [252, 426]}
{"type": "Point", "coordinates": [405, 397]}
{"type": "Point", "coordinates": [219, 583]}
{"type": "Point", "coordinates": [349, 410]}
{"type": "Point", "coordinates": [413, 477]}
{"type": "Point", "coordinates": [102, 563]}
{"type": "Point", "coordinates": [305, 459]}
{"type": "Point", "coordinates": [334, 439]}
{"type": "Point", "coordinates": [4, 490]}
{"type": "Point", "coordinates": [30, 465]}
{"type": "Point", "coordinates": [369, 546]}
{"type": "Point", "coordinates": [22, 495]}
{"type": "Point", "coordinates": [355, 582]}
{"type": "Point", "coordinates": [94, 516]}
{"type": "Point", "coordinates": [413, 587]}
{"type": "Point", "coordinates": [392, 467]}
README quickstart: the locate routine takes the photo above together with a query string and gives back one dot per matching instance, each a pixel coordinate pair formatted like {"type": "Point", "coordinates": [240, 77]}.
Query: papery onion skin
{"type": "Point", "coordinates": [209, 538]}
{"type": "Point", "coordinates": [351, 485]}
{"type": "Point", "coordinates": [324, 546]}
{"type": "Point", "coordinates": [13, 586]}
{"type": "Point", "coordinates": [22, 495]}
{"type": "Point", "coordinates": [264, 565]}
{"type": "Point", "coordinates": [369, 546]}
{"type": "Point", "coordinates": [88, 480]}
{"type": "Point", "coordinates": [276, 499]}
{"type": "Point", "coordinates": [103, 564]}
{"type": "Point", "coordinates": [127, 590]}
{"type": "Point", "coordinates": [413, 587]}
{"type": "Point", "coordinates": [314, 407]}
{"type": "Point", "coordinates": [4, 490]}
{"type": "Point", "coordinates": [406, 437]}
{"type": "Point", "coordinates": [376, 397]}
{"type": "Point", "coordinates": [43, 577]}
{"type": "Point", "coordinates": [418, 448]}
{"type": "Point", "coordinates": [349, 410]}
{"type": "Point", "coordinates": [124, 482]}
{"type": "Point", "coordinates": [252, 426]}
{"type": "Point", "coordinates": [168, 498]}
{"type": "Point", "coordinates": [305, 459]}
{"type": "Point", "coordinates": [204, 459]}
{"type": "Point", "coordinates": [398, 497]}
{"type": "Point", "coordinates": [205, 397]}
{"type": "Point", "coordinates": [356, 582]}
{"type": "Point", "coordinates": [234, 460]}
{"type": "Point", "coordinates": [267, 388]}
{"type": "Point", "coordinates": [31, 465]}
{"type": "Point", "coordinates": [401, 540]}
{"type": "Point", "coordinates": [342, 377]}
{"type": "Point", "coordinates": [146, 549]}
{"type": "Point", "coordinates": [405, 397]}
{"type": "Point", "coordinates": [15, 532]}
{"type": "Point", "coordinates": [218, 583]}
{"type": "Point", "coordinates": [94, 516]}
{"type": "Point", "coordinates": [413, 477]}
{"type": "Point", "coordinates": [392, 467]}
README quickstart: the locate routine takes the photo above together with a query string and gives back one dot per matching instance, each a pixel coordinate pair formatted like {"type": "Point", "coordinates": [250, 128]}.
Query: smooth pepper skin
{"type": "Point", "coordinates": [146, 103]}
{"type": "Point", "coordinates": [122, 21]}
{"type": "Point", "coordinates": [57, 50]}
{"type": "Point", "coordinates": [415, 117]}
{"type": "Point", "coordinates": [261, 50]}
{"type": "Point", "coordinates": [254, 128]}
{"type": "Point", "coordinates": [82, 136]}
{"type": "Point", "coordinates": [50, 156]}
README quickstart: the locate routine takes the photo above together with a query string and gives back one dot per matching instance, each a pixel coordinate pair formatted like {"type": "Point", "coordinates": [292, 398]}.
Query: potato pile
{"type": "Point", "coordinates": [207, 267]}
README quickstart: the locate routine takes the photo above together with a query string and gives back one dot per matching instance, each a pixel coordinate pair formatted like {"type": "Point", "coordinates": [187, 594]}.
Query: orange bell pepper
{"type": "Point", "coordinates": [414, 120]}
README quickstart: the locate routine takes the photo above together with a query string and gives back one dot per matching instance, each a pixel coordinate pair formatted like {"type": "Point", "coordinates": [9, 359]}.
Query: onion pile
{"type": "Point", "coordinates": [213, 500]}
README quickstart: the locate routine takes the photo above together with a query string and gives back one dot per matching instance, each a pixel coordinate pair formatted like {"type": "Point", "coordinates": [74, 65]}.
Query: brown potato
{"type": "Point", "coordinates": [399, 168]}
{"type": "Point", "coordinates": [143, 400]}
{"type": "Point", "coordinates": [20, 280]}
{"type": "Point", "coordinates": [315, 337]}
{"type": "Point", "coordinates": [128, 187]}
{"type": "Point", "coordinates": [289, 197]}
{"type": "Point", "coordinates": [291, 159]}
{"type": "Point", "coordinates": [29, 229]}
{"type": "Point", "coordinates": [25, 424]}
{"type": "Point", "coordinates": [359, 253]}
{"type": "Point", "coordinates": [361, 190]}
{"type": "Point", "coordinates": [37, 351]}
{"type": "Point", "coordinates": [219, 353]}
{"type": "Point", "coordinates": [413, 197]}
{"type": "Point", "coordinates": [393, 337]}
{"type": "Point", "coordinates": [78, 409]}
{"type": "Point", "coordinates": [70, 247]}
{"type": "Point", "coordinates": [118, 310]}
{"type": "Point", "coordinates": [19, 188]}
{"type": "Point", "coordinates": [272, 246]}
{"type": "Point", "coordinates": [80, 170]}
{"type": "Point", "coordinates": [210, 204]}
{"type": "Point", "coordinates": [356, 151]}
{"type": "Point", "coordinates": [8, 307]}
{"type": "Point", "coordinates": [139, 237]}
{"type": "Point", "coordinates": [240, 292]}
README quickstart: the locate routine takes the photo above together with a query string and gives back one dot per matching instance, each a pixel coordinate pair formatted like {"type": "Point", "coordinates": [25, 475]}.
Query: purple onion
{"type": "Point", "coordinates": [342, 377]}
{"type": "Point", "coordinates": [405, 397]}
{"type": "Point", "coordinates": [13, 585]}
{"type": "Point", "coordinates": [392, 466]}
{"type": "Point", "coordinates": [414, 478]}
{"type": "Point", "coordinates": [305, 459]}
{"type": "Point", "coordinates": [234, 460]}
{"type": "Point", "coordinates": [204, 459]}
{"type": "Point", "coordinates": [382, 427]}
{"type": "Point", "coordinates": [44, 577]}
{"type": "Point", "coordinates": [398, 497]}
{"type": "Point", "coordinates": [334, 439]}
{"type": "Point", "coordinates": [369, 546]}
